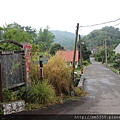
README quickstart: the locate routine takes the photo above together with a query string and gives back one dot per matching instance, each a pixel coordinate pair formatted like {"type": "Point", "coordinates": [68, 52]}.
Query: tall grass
{"type": "Point", "coordinates": [34, 73]}
{"type": "Point", "coordinates": [41, 93]}
{"type": "Point", "coordinates": [58, 74]}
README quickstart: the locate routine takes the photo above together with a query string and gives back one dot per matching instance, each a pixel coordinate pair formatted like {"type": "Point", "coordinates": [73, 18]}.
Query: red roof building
{"type": "Point", "coordinates": [68, 55]}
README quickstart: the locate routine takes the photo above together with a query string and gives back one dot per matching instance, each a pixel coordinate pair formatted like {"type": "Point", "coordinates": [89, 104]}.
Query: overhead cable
{"type": "Point", "coordinates": [101, 23]}
{"type": "Point", "coordinates": [117, 24]}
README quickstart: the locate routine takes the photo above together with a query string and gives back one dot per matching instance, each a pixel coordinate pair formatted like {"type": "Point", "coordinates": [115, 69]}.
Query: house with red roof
{"type": "Point", "coordinates": [68, 56]}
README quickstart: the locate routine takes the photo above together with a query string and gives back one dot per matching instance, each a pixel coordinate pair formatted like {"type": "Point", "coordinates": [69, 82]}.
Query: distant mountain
{"type": "Point", "coordinates": [66, 39]}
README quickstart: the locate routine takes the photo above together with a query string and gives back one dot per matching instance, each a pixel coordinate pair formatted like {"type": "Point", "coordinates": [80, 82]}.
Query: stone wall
{"type": "Point", "coordinates": [12, 107]}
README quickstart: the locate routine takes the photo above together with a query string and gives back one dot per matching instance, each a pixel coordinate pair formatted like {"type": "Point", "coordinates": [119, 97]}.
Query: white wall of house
{"type": "Point", "coordinates": [76, 64]}
{"type": "Point", "coordinates": [117, 49]}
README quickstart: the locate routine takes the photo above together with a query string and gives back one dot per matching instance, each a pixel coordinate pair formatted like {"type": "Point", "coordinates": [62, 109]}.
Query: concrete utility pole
{"type": "Point", "coordinates": [80, 59]}
{"type": "Point", "coordinates": [0, 85]}
{"type": "Point", "coordinates": [75, 49]}
{"type": "Point", "coordinates": [105, 53]}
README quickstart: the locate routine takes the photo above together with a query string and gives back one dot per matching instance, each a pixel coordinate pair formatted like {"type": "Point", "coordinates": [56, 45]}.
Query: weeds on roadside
{"type": "Point", "coordinates": [59, 74]}
{"type": "Point", "coordinates": [41, 93]}
{"type": "Point", "coordinates": [9, 95]}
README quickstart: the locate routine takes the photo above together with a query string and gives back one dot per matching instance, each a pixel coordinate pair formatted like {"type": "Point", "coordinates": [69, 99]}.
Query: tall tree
{"type": "Point", "coordinates": [45, 38]}
{"type": "Point", "coordinates": [16, 32]}
{"type": "Point", "coordinates": [55, 47]}
{"type": "Point", "coordinates": [1, 29]}
{"type": "Point", "coordinates": [85, 53]}
{"type": "Point", "coordinates": [32, 32]}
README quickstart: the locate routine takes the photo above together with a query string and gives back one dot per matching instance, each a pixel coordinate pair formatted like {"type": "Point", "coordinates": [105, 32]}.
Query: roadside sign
{"type": "Point", "coordinates": [44, 58]}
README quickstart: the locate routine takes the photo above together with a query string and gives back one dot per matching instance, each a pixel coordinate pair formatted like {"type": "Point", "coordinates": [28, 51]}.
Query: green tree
{"type": "Point", "coordinates": [97, 37]}
{"type": "Point", "coordinates": [1, 29]}
{"type": "Point", "coordinates": [45, 38]}
{"type": "Point", "coordinates": [55, 47]}
{"type": "Point", "coordinates": [116, 62]}
{"type": "Point", "coordinates": [85, 53]}
{"type": "Point", "coordinates": [100, 56]}
{"type": "Point", "coordinates": [32, 32]}
{"type": "Point", "coordinates": [16, 32]}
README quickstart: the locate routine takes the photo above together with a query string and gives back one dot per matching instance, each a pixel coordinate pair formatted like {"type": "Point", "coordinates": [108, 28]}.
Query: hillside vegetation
{"type": "Point", "coordinates": [103, 43]}
{"type": "Point", "coordinates": [66, 39]}
{"type": "Point", "coordinates": [97, 38]}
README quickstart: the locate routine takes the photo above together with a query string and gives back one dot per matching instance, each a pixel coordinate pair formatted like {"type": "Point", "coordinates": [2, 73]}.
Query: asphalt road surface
{"type": "Point", "coordinates": [103, 86]}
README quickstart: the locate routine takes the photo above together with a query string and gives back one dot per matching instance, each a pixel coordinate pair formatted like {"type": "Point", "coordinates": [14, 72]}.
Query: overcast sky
{"type": "Point", "coordinates": [60, 14]}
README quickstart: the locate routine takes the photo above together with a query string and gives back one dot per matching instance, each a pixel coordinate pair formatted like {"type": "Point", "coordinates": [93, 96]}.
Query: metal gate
{"type": "Point", "coordinates": [12, 68]}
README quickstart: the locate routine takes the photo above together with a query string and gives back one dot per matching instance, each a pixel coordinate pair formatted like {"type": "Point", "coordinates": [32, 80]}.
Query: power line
{"type": "Point", "coordinates": [117, 24]}
{"type": "Point", "coordinates": [101, 23]}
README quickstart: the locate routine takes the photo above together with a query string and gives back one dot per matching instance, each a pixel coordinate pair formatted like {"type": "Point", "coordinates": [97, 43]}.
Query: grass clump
{"type": "Point", "coordinates": [78, 91]}
{"type": "Point", "coordinates": [41, 93]}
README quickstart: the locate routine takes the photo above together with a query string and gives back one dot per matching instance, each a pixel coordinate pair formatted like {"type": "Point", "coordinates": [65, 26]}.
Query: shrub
{"type": "Point", "coordinates": [77, 91]}
{"type": "Point", "coordinates": [42, 93]}
{"type": "Point", "coordinates": [59, 74]}
{"type": "Point", "coordinates": [9, 95]}
{"type": "Point", "coordinates": [86, 63]}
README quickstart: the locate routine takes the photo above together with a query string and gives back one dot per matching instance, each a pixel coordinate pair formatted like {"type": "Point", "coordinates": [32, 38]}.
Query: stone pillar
{"type": "Point", "coordinates": [27, 48]}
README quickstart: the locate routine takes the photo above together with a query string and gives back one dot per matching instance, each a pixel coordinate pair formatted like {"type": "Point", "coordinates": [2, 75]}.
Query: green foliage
{"type": "Point", "coordinates": [59, 74]}
{"type": "Point", "coordinates": [116, 62]}
{"type": "Point", "coordinates": [41, 93]}
{"type": "Point", "coordinates": [78, 91]}
{"type": "Point", "coordinates": [112, 58]}
{"type": "Point", "coordinates": [35, 71]}
{"type": "Point", "coordinates": [86, 63]}
{"type": "Point", "coordinates": [1, 29]}
{"type": "Point", "coordinates": [100, 56]}
{"type": "Point", "coordinates": [85, 53]}
{"type": "Point", "coordinates": [17, 33]}
{"type": "Point", "coordinates": [45, 38]}
{"type": "Point", "coordinates": [9, 95]}
{"type": "Point", "coordinates": [97, 37]}
{"type": "Point", "coordinates": [55, 47]}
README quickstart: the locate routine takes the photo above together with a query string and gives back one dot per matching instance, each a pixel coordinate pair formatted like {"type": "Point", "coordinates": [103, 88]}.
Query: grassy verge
{"type": "Point", "coordinates": [114, 70]}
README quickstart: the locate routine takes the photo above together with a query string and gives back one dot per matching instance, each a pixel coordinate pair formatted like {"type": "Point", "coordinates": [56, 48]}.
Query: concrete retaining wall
{"type": "Point", "coordinates": [81, 82]}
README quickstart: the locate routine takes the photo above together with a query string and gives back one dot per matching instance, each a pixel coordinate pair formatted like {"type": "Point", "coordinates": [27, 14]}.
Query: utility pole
{"type": "Point", "coordinates": [105, 53]}
{"type": "Point", "coordinates": [75, 49]}
{"type": "Point", "coordinates": [0, 85]}
{"type": "Point", "coordinates": [80, 52]}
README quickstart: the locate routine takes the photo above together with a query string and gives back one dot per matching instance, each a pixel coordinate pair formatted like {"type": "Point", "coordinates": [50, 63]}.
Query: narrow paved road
{"type": "Point", "coordinates": [103, 87]}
